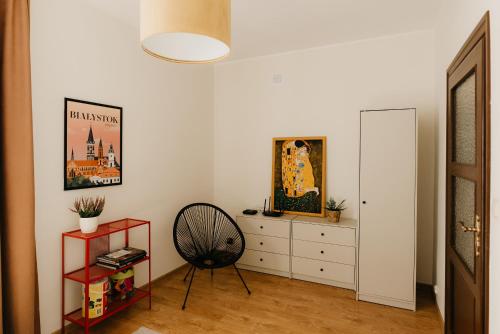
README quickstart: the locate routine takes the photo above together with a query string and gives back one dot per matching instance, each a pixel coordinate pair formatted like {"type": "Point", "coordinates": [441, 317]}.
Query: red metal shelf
{"type": "Point", "coordinates": [113, 307]}
{"type": "Point", "coordinates": [107, 229]}
{"type": "Point", "coordinates": [97, 272]}
{"type": "Point", "coordinates": [91, 272]}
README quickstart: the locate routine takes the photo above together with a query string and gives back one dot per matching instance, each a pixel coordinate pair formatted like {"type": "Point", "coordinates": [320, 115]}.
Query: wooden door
{"type": "Point", "coordinates": [467, 188]}
{"type": "Point", "coordinates": [387, 207]}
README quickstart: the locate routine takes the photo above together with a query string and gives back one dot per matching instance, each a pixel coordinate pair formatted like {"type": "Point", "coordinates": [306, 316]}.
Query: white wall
{"type": "Point", "coordinates": [321, 94]}
{"type": "Point", "coordinates": [82, 53]}
{"type": "Point", "coordinates": [457, 20]}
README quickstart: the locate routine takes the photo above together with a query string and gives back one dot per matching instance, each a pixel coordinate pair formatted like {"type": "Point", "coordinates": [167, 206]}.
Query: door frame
{"type": "Point", "coordinates": [482, 30]}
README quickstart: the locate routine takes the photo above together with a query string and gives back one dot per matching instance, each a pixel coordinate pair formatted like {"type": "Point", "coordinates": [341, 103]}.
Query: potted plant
{"type": "Point", "coordinates": [334, 209]}
{"type": "Point", "coordinates": [88, 209]}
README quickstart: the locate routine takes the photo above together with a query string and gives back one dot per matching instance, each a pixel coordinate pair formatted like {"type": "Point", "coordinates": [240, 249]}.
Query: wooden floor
{"type": "Point", "coordinates": [277, 305]}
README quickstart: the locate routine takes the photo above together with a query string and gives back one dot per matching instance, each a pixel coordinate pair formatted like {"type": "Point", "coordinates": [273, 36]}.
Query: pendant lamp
{"type": "Point", "coordinates": [186, 31]}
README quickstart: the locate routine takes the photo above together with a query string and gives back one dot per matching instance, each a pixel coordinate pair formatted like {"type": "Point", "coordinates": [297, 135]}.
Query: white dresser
{"type": "Point", "coordinates": [324, 252]}
{"type": "Point", "coordinates": [305, 248]}
{"type": "Point", "coordinates": [267, 244]}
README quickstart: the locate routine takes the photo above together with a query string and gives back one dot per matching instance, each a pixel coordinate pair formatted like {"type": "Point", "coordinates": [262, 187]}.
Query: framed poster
{"type": "Point", "coordinates": [92, 145]}
{"type": "Point", "coordinates": [299, 175]}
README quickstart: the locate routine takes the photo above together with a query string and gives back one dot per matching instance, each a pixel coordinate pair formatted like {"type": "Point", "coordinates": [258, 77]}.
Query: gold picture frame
{"type": "Point", "coordinates": [298, 183]}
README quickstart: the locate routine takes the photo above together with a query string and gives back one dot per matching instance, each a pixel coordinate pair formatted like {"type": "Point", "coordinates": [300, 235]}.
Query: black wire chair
{"type": "Point", "coordinates": [207, 238]}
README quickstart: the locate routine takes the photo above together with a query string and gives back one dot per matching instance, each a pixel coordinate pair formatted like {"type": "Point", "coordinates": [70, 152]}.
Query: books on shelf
{"type": "Point", "coordinates": [120, 258]}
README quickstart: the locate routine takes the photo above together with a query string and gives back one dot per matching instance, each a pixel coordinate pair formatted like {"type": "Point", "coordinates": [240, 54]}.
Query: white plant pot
{"type": "Point", "coordinates": [88, 225]}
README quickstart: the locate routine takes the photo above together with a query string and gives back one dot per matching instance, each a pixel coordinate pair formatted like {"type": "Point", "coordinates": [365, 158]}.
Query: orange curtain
{"type": "Point", "coordinates": [18, 258]}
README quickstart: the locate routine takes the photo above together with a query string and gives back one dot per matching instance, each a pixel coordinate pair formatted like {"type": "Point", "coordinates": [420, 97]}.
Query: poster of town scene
{"type": "Point", "coordinates": [93, 145]}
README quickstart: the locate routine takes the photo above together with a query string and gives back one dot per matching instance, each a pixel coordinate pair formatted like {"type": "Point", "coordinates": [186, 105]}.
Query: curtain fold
{"type": "Point", "coordinates": [18, 257]}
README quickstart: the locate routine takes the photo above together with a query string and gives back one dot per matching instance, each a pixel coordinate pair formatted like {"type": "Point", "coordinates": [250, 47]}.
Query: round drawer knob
{"type": "Point", "coordinates": [322, 234]}
{"type": "Point", "coordinates": [321, 269]}
{"type": "Point", "coordinates": [322, 252]}
{"type": "Point", "coordinates": [261, 243]}
{"type": "Point", "coordinates": [261, 227]}
{"type": "Point", "coordinates": [261, 260]}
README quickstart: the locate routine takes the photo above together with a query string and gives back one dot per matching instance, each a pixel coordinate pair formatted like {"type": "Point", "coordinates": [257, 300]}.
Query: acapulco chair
{"type": "Point", "coordinates": [207, 238]}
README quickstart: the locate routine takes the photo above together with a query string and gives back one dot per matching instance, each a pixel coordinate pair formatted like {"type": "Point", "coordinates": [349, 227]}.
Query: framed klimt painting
{"type": "Point", "coordinates": [92, 145]}
{"type": "Point", "coordinates": [299, 175]}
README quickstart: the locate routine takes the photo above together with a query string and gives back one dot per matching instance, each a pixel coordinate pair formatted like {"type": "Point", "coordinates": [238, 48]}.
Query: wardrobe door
{"type": "Point", "coordinates": [387, 207]}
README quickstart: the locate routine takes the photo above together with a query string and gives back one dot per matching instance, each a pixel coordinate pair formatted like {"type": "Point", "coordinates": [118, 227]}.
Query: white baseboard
{"type": "Point", "coordinates": [408, 305]}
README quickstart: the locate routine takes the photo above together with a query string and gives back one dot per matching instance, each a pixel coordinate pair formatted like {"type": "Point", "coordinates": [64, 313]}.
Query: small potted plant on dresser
{"type": "Point", "coordinates": [88, 208]}
{"type": "Point", "coordinates": [334, 209]}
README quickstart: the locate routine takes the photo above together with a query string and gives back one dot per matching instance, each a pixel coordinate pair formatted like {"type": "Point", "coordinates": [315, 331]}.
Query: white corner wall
{"type": "Point", "coordinates": [319, 92]}
{"type": "Point", "coordinates": [456, 21]}
{"type": "Point", "coordinates": [83, 53]}
{"type": "Point", "coordinates": [191, 136]}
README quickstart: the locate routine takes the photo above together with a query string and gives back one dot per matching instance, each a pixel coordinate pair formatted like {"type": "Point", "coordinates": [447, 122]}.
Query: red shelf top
{"type": "Point", "coordinates": [96, 272]}
{"type": "Point", "coordinates": [113, 307]}
{"type": "Point", "coordinates": [107, 229]}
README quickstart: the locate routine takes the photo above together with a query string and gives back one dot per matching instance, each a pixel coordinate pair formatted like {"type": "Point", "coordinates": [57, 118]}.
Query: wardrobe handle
{"type": "Point", "coordinates": [261, 260]}
{"type": "Point", "coordinates": [364, 202]}
{"type": "Point", "coordinates": [321, 269]}
{"type": "Point", "coordinates": [261, 227]}
{"type": "Point", "coordinates": [261, 243]}
{"type": "Point", "coordinates": [322, 252]}
{"type": "Point", "coordinates": [322, 234]}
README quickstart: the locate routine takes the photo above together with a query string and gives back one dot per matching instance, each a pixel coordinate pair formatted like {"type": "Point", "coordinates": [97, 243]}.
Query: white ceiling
{"type": "Point", "coordinates": [262, 27]}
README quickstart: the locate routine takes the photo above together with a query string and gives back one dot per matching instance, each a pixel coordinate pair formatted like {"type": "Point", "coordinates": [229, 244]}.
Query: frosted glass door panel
{"type": "Point", "coordinates": [464, 199]}
{"type": "Point", "coordinates": [464, 121]}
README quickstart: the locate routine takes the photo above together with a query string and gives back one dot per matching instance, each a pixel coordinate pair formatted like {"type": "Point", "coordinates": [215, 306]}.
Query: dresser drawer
{"type": "Point", "coordinates": [325, 252]}
{"type": "Point", "coordinates": [325, 270]}
{"type": "Point", "coordinates": [324, 233]}
{"type": "Point", "coordinates": [276, 228]}
{"type": "Point", "coordinates": [267, 244]}
{"type": "Point", "coordinates": [265, 260]}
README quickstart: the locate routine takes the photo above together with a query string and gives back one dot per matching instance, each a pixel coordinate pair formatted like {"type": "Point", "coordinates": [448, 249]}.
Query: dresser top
{"type": "Point", "coordinates": [344, 222]}
{"type": "Point", "coordinates": [260, 216]}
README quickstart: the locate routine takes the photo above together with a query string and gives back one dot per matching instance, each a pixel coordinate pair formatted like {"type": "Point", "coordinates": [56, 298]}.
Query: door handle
{"type": "Point", "coordinates": [477, 230]}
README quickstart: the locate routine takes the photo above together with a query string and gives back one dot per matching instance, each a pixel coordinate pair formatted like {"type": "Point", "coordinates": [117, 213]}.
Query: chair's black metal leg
{"type": "Point", "coordinates": [241, 278]}
{"type": "Point", "coordinates": [189, 288]}
{"type": "Point", "coordinates": [187, 274]}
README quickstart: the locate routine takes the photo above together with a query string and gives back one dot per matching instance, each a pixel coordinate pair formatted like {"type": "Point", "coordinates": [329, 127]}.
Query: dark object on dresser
{"type": "Point", "coordinates": [272, 213]}
{"type": "Point", "coordinates": [250, 212]}
{"type": "Point", "coordinates": [207, 238]}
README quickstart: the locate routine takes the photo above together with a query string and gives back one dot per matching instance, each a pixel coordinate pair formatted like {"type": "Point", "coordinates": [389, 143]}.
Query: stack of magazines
{"type": "Point", "coordinates": [120, 258]}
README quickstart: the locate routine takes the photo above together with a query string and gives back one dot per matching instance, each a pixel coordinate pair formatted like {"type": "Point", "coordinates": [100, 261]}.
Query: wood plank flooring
{"type": "Point", "coordinates": [277, 305]}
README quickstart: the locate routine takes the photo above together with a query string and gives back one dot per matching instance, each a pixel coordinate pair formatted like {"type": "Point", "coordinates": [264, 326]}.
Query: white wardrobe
{"type": "Point", "coordinates": [387, 208]}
